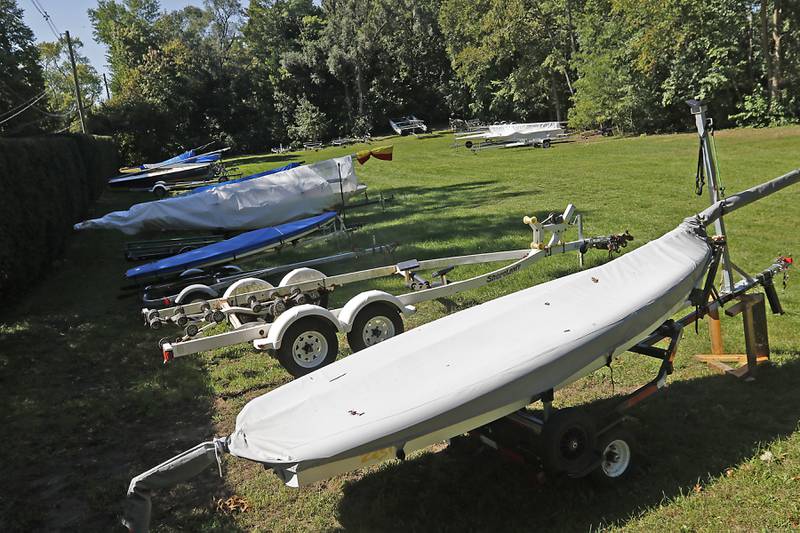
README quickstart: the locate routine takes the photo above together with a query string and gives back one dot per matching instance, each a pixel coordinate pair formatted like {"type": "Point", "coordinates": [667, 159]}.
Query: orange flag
{"type": "Point", "coordinates": [383, 153]}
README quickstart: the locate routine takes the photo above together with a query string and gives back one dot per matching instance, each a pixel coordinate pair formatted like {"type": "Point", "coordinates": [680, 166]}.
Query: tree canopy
{"type": "Point", "coordinates": [257, 73]}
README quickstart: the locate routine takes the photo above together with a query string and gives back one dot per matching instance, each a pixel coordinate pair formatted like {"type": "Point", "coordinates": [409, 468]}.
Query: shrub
{"type": "Point", "coordinates": [47, 183]}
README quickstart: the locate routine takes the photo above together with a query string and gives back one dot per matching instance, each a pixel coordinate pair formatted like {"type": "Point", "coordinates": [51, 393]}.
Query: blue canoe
{"type": "Point", "coordinates": [249, 243]}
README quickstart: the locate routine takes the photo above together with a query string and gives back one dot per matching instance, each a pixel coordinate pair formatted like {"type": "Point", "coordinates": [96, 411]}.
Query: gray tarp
{"type": "Point", "coordinates": [267, 201]}
{"type": "Point", "coordinates": [459, 372]}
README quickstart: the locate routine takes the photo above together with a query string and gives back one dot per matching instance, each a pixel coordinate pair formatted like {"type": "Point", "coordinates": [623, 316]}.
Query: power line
{"type": "Point", "coordinates": [47, 18]}
{"type": "Point", "coordinates": [23, 109]}
{"type": "Point", "coordinates": [23, 104]}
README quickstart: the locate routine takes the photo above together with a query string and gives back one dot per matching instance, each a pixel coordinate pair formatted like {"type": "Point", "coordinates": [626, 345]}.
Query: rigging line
{"type": "Point", "coordinates": [23, 110]}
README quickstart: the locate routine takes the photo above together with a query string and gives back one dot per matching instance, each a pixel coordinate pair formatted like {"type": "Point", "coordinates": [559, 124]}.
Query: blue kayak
{"type": "Point", "coordinates": [248, 243]}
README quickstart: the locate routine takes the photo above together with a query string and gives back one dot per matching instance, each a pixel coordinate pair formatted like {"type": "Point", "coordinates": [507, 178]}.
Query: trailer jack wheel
{"type": "Point", "coordinates": [375, 323]}
{"type": "Point", "coordinates": [308, 344]}
{"type": "Point", "coordinates": [616, 448]}
{"type": "Point", "coordinates": [568, 441]}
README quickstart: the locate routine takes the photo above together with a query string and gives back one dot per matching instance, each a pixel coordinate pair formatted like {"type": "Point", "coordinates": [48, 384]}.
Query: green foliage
{"type": "Point", "coordinates": [20, 73]}
{"type": "Point", "coordinates": [58, 79]}
{"type": "Point", "coordinates": [309, 122]}
{"type": "Point", "coordinates": [46, 184]}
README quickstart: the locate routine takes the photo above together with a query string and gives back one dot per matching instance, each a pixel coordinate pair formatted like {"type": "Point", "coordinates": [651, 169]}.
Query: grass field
{"type": "Point", "coordinates": [87, 403]}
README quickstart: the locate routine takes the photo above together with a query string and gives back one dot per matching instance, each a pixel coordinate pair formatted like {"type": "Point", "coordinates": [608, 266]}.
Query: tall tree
{"type": "Point", "coordinates": [61, 86]}
{"type": "Point", "coordinates": [21, 80]}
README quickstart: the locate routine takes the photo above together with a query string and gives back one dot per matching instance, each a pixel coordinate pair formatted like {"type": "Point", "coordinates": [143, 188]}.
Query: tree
{"type": "Point", "coordinates": [61, 86]}
{"type": "Point", "coordinates": [21, 80]}
{"type": "Point", "coordinates": [309, 122]}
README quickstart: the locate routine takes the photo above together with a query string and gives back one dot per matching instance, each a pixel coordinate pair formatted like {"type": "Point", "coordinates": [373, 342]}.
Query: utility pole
{"type": "Point", "coordinates": [105, 82]}
{"type": "Point", "coordinates": [77, 85]}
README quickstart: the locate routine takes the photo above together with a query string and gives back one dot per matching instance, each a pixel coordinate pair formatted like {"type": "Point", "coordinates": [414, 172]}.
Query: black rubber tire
{"type": "Point", "coordinates": [600, 475]}
{"type": "Point", "coordinates": [304, 325]}
{"type": "Point", "coordinates": [355, 337]}
{"type": "Point", "coordinates": [546, 143]}
{"type": "Point", "coordinates": [568, 441]}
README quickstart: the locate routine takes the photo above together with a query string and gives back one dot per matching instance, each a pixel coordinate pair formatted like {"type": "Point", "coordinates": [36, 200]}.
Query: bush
{"type": "Point", "coordinates": [47, 183]}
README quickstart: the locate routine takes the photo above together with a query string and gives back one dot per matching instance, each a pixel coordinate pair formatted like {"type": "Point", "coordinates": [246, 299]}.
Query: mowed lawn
{"type": "Point", "coordinates": [87, 404]}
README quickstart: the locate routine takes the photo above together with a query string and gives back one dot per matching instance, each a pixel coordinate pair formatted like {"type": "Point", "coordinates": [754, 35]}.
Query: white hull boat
{"type": "Point", "coordinates": [463, 371]}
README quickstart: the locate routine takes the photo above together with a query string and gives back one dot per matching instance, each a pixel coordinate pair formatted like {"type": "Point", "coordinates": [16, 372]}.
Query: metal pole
{"type": "Point", "coordinates": [105, 82]}
{"type": "Point", "coordinates": [77, 85]}
{"type": "Point", "coordinates": [698, 109]}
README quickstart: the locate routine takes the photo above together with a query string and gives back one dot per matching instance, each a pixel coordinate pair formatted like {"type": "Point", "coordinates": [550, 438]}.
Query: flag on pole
{"type": "Point", "coordinates": [383, 153]}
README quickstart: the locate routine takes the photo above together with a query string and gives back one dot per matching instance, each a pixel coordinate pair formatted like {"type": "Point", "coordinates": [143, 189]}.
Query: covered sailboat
{"type": "Point", "coordinates": [185, 167]}
{"type": "Point", "coordinates": [243, 205]}
{"type": "Point", "coordinates": [465, 370]}
{"type": "Point", "coordinates": [513, 134]}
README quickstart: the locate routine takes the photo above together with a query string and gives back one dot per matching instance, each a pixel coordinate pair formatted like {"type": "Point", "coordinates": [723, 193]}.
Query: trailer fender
{"type": "Point", "coordinates": [246, 285]}
{"type": "Point", "coordinates": [351, 309]}
{"type": "Point", "coordinates": [292, 315]}
{"type": "Point", "coordinates": [301, 275]}
{"type": "Point", "coordinates": [197, 288]}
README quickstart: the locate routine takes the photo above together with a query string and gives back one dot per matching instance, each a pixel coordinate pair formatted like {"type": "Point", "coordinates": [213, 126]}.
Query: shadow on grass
{"type": "Point", "coordinates": [88, 401]}
{"type": "Point", "coordinates": [696, 429]}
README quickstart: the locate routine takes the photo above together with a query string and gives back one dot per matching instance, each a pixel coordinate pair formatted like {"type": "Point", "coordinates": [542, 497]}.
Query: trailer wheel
{"type": "Point", "coordinates": [616, 447]}
{"type": "Point", "coordinates": [308, 344]}
{"type": "Point", "coordinates": [545, 143]}
{"type": "Point", "coordinates": [375, 323]}
{"type": "Point", "coordinates": [160, 190]}
{"type": "Point", "coordinates": [568, 441]}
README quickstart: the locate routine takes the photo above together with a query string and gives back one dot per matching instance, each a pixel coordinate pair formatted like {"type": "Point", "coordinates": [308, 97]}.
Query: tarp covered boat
{"type": "Point", "coordinates": [517, 132]}
{"type": "Point", "coordinates": [460, 372]}
{"type": "Point", "coordinates": [243, 245]}
{"type": "Point", "coordinates": [245, 178]}
{"type": "Point", "coordinates": [184, 167]}
{"type": "Point", "coordinates": [251, 204]}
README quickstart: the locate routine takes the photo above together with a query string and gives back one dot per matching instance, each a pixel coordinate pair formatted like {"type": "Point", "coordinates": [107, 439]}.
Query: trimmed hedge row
{"type": "Point", "coordinates": [47, 184]}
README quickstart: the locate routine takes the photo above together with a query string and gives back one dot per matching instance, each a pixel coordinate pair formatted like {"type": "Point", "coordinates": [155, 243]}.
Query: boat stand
{"type": "Point", "coordinates": [756, 338]}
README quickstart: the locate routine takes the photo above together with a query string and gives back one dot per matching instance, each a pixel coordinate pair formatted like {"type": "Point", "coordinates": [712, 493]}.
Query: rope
{"type": "Point", "coordinates": [699, 177]}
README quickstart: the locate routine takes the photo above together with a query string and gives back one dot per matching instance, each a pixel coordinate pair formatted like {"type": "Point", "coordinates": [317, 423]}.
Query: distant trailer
{"type": "Point", "coordinates": [406, 125]}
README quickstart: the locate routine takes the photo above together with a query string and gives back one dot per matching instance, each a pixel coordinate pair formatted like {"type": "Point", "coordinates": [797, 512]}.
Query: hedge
{"type": "Point", "coordinates": [47, 184]}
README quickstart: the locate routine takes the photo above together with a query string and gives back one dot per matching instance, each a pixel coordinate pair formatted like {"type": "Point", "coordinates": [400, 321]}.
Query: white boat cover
{"type": "Point", "coordinates": [460, 372]}
{"type": "Point", "coordinates": [268, 201]}
{"type": "Point", "coordinates": [518, 131]}
{"type": "Point", "coordinates": [483, 363]}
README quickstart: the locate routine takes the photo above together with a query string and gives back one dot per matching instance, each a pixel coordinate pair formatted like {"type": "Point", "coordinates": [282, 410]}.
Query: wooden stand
{"type": "Point", "coordinates": [756, 338]}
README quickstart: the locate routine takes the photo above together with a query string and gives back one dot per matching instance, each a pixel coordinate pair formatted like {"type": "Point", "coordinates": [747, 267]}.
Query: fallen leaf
{"type": "Point", "coordinates": [767, 456]}
{"type": "Point", "coordinates": [698, 488]}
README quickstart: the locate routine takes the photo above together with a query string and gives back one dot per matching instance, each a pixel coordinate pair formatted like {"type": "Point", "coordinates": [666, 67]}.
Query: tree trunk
{"type": "Point", "coordinates": [776, 78]}
{"type": "Point", "coordinates": [360, 89]}
{"type": "Point", "coordinates": [766, 51]}
{"type": "Point", "coordinates": [556, 102]}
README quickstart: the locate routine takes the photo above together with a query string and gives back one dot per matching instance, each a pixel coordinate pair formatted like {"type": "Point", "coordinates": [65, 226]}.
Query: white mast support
{"type": "Point", "coordinates": [698, 109]}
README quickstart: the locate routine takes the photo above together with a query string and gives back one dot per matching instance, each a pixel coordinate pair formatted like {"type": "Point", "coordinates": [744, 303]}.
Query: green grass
{"type": "Point", "coordinates": [87, 404]}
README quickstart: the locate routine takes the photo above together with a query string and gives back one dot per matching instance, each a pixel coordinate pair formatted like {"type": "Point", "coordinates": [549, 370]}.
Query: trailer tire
{"type": "Point", "coordinates": [308, 344]}
{"type": "Point", "coordinates": [375, 323]}
{"type": "Point", "coordinates": [568, 441]}
{"type": "Point", "coordinates": [545, 143]}
{"type": "Point", "coordinates": [617, 452]}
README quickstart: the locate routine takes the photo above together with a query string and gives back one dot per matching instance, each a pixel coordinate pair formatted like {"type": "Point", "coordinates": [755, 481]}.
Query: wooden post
{"type": "Point", "coordinates": [77, 85]}
{"type": "Point", "coordinates": [756, 338]}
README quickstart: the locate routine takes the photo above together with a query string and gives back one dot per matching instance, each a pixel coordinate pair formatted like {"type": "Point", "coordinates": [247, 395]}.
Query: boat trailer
{"type": "Point", "coordinates": [292, 321]}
